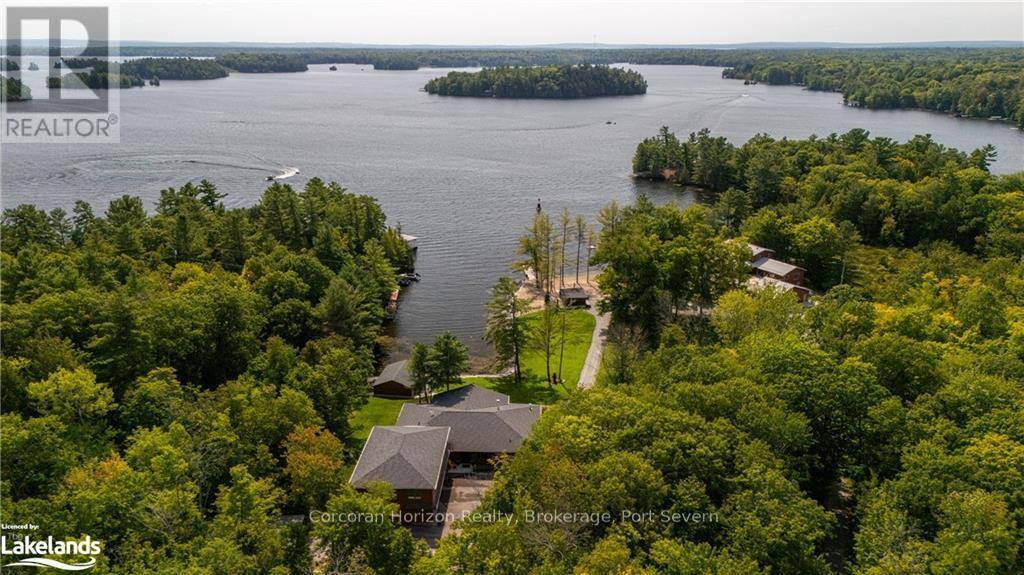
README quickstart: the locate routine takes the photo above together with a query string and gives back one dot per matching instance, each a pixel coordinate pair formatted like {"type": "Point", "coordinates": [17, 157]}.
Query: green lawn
{"type": "Point", "coordinates": [578, 329]}
{"type": "Point", "coordinates": [377, 411]}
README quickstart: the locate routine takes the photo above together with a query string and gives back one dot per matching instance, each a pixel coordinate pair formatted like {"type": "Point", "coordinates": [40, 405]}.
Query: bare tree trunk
{"type": "Point", "coordinates": [515, 346]}
{"type": "Point", "coordinates": [561, 344]}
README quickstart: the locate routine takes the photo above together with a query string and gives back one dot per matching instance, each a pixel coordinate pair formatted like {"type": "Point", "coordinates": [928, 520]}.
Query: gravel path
{"type": "Point", "coordinates": [593, 362]}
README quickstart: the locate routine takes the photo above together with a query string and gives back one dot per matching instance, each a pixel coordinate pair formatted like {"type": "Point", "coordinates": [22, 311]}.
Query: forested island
{"type": "Point", "coordinates": [13, 90]}
{"type": "Point", "coordinates": [555, 82]}
{"type": "Point", "coordinates": [98, 74]}
{"type": "Point", "coordinates": [256, 63]}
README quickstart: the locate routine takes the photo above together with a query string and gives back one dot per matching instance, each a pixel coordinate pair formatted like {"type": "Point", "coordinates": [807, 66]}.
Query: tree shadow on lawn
{"type": "Point", "coordinates": [532, 389]}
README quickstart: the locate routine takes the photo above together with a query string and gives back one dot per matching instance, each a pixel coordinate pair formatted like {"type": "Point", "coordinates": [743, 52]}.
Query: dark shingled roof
{"type": "Point", "coordinates": [573, 293]}
{"type": "Point", "coordinates": [469, 397]}
{"type": "Point", "coordinates": [409, 457]}
{"type": "Point", "coordinates": [487, 430]}
{"type": "Point", "coordinates": [397, 372]}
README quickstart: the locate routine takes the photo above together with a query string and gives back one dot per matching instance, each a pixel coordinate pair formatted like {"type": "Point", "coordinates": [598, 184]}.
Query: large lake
{"type": "Point", "coordinates": [463, 174]}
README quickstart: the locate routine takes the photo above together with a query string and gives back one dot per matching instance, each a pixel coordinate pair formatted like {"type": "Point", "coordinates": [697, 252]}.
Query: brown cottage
{"type": "Point", "coordinates": [394, 381]}
{"type": "Point", "coordinates": [768, 267]}
{"type": "Point", "coordinates": [758, 252]}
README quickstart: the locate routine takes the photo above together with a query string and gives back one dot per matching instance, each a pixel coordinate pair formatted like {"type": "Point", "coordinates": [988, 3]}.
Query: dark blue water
{"type": "Point", "coordinates": [463, 174]}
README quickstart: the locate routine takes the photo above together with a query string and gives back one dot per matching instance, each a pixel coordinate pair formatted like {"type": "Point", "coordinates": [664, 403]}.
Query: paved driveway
{"type": "Point", "coordinates": [464, 496]}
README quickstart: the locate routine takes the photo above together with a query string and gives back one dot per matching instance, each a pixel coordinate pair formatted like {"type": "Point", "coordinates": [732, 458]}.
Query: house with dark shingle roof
{"type": "Point", "coordinates": [413, 459]}
{"type": "Point", "coordinates": [469, 397]}
{"type": "Point", "coordinates": [465, 425]}
{"type": "Point", "coordinates": [488, 430]}
{"type": "Point", "coordinates": [394, 381]}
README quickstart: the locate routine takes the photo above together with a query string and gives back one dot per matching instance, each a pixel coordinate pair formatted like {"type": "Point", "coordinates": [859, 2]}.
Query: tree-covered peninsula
{"type": "Point", "coordinates": [970, 83]}
{"type": "Point", "coordinates": [556, 82]}
{"type": "Point", "coordinates": [878, 431]}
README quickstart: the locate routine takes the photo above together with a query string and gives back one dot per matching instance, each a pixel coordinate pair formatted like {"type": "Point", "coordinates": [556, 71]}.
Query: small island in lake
{"type": "Point", "coordinates": [100, 74]}
{"type": "Point", "coordinates": [556, 82]}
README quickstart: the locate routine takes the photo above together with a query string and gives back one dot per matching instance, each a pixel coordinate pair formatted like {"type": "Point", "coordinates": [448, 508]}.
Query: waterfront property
{"type": "Point", "coordinates": [462, 431]}
{"type": "Point", "coordinates": [394, 381]}
{"type": "Point", "coordinates": [574, 297]}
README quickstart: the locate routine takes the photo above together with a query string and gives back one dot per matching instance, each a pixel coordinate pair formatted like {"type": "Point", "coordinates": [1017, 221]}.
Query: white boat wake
{"type": "Point", "coordinates": [285, 173]}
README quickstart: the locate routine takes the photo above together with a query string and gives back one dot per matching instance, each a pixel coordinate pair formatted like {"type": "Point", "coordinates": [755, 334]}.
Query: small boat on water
{"type": "Point", "coordinates": [406, 279]}
{"type": "Point", "coordinates": [287, 173]}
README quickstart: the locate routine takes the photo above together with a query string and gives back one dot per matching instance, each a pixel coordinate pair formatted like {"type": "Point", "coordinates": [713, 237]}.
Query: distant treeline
{"type": "Point", "coordinates": [263, 63]}
{"type": "Point", "coordinates": [581, 81]}
{"type": "Point", "coordinates": [970, 82]}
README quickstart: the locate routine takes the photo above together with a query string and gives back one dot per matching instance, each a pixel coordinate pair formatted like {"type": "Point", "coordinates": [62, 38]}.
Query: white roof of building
{"type": "Point", "coordinates": [773, 266]}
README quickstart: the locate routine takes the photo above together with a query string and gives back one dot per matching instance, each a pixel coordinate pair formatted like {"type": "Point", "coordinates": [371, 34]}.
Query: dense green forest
{"type": "Point", "coordinates": [976, 84]}
{"type": "Point", "coordinates": [176, 381]}
{"type": "Point", "coordinates": [263, 63]}
{"type": "Point", "coordinates": [887, 193]}
{"type": "Point", "coordinates": [877, 432]}
{"type": "Point", "coordinates": [174, 68]}
{"type": "Point", "coordinates": [566, 82]}
{"type": "Point", "coordinates": [100, 74]}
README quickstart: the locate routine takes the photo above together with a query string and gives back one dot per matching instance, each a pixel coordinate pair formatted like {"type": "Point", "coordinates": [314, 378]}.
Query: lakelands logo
{"type": "Point", "coordinates": [37, 548]}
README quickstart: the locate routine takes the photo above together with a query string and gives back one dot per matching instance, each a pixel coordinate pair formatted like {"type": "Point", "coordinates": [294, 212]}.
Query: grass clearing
{"type": "Point", "coordinates": [377, 411]}
{"type": "Point", "coordinates": [579, 327]}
